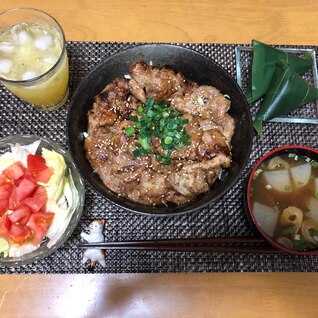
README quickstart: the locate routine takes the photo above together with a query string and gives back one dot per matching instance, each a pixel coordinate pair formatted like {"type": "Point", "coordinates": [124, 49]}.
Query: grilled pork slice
{"type": "Point", "coordinates": [159, 83]}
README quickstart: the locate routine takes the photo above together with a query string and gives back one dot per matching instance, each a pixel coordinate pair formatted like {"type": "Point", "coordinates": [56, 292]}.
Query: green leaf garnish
{"type": "Point", "coordinates": [287, 91]}
{"type": "Point", "coordinates": [264, 62]}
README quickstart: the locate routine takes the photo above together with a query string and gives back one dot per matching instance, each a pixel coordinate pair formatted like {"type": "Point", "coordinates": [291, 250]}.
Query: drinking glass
{"type": "Point", "coordinates": [33, 57]}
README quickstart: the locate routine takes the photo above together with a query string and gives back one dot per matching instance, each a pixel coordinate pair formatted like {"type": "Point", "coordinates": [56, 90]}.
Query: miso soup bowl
{"type": "Point", "coordinates": [297, 150]}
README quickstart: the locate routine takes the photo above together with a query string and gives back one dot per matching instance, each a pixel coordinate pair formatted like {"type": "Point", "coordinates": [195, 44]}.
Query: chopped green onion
{"type": "Point", "coordinates": [150, 102]}
{"type": "Point", "coordinates": [168, 140]}
{"type": "Point", "coordinates": [137, 152]}
{"type": "Point", "coordinates": [314, 164]}
{"type": "Point", "coordinates": [129, 131]}
{"type": "Point", "coordinates": [134, 119]}
{"type": "Point", "coordinates": [150, 113]}
{"type": "Point", "coordinates": [161, 121]}
{"type": "Point", "coordinates": [144, 143]}
{"type": "Point", "coordinates": [288, 231]}
{"type": "Point", "coordinates": [257, 173]}
{"type": "Point", "coordinates": [276, 207]}
{"type": "Point", "coordinates": [262, 166]}
{"type": "Point", "coordinates": [303, 244]}
{"type": "Point", "coordinates": [313, 232]}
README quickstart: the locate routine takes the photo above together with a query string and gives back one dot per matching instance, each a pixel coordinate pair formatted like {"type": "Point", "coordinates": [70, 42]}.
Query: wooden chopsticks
{"type": "Point", "coordinates": [209, 245]}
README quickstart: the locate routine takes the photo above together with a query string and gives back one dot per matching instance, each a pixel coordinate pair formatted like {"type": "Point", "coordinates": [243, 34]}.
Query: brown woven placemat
{"type": "Point", "coordinates": [223, 218]}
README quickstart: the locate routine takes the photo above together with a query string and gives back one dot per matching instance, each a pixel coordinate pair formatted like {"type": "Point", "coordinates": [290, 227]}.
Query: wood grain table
{"type": "Point", "coordinates": [170, 295]}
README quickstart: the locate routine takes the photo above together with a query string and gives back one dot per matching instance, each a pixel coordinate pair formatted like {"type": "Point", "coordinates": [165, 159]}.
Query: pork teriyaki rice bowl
{"type": "Point", "coordinates": [156, 137]}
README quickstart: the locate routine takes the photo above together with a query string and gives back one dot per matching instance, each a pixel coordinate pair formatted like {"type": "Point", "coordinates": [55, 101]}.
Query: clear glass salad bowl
{"type": "Point", "coordinates": [45, 248]}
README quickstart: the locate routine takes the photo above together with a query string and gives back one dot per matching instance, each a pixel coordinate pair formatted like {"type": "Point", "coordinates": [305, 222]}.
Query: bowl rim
{"type": "Point", "coordinates": [187, 207]}
{"type": "Point", "coordinates": [248, 199]}
{"type": "Point", "coordinates": [19, 261]}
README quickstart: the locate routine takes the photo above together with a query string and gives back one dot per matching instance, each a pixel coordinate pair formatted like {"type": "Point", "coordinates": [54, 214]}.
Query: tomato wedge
{"type": "Point", "coordinates": [36, 163]}
{"type": "Point", "coordinates": [25, 189]}
{"type": "Point", "coordinates": [14, 172]}
{"type": "Point", "coordinates": [4, 205]}
{"type": "Point", "coordinates": [38, 200]}
{"type": "Point", "coordinates": [21, 215]}
{"type": "Point", "coordinates": [21, 193]}
{"type": "Point", "coordinates": [5, 190]}
{"type": "Point", "coordinates": [5, 225]}
{"type": "Point", "coordinates": [19, 233]}
{"type": "Point", "coordinates": [14, 203]}
{"type": "Point", "coordinates": [3, 179]}
{"type": "Point", "coordinates": [39, 223]}
{"type": "Point", "coordinates": [18, 181]}
{"type": "Point", "coordinates": [42, 175]}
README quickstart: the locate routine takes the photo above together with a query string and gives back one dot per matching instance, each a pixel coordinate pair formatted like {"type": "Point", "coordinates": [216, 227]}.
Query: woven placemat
{"type": "Point", "coordinates": [224, 218]}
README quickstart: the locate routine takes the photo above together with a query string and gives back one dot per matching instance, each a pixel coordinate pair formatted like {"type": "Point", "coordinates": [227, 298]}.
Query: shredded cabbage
{"type": "Point", "coordinates": [18, 153]}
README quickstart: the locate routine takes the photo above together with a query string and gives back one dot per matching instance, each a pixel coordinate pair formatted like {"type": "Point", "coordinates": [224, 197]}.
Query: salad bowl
{"type": "Point", "coordinates": [69, 201]}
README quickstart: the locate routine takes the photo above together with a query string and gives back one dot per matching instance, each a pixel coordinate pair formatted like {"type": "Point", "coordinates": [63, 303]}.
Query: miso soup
{"type": "Point", "coordinates": [284, 199]}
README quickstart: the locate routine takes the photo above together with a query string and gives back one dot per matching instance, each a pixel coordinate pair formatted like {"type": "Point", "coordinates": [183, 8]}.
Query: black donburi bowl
{"type": "Point", "coordinates": [195, 67]}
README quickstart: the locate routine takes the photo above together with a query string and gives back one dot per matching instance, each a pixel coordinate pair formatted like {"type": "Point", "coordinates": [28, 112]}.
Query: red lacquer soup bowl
{"type": "Point", "coordinates": [282, 198]}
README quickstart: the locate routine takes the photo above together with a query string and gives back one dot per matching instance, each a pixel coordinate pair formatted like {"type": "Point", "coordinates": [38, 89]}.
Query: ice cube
{"type": "Point", "coordinates": [49, 61]}
{"type": "Point", "coordinates": [5, 66]}
{"type": "Point", "coordinates": [6, 47]}
{"type": "Point", "coordinates": [24, 37]}
{"type": "Point", "coordinates": [28, 75]}
{"type": "Point", "coordinates": [43, 42]}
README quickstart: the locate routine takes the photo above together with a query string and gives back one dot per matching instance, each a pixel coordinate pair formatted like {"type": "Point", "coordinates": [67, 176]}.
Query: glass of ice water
{"type": "Point", "coordinates": [33, 58]}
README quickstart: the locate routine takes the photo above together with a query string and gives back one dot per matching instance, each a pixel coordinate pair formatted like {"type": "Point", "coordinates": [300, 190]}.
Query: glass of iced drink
{"type": "Point", "coordinates": [33, 58]}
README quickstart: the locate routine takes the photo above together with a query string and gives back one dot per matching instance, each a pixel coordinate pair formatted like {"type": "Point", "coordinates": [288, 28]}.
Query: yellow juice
{"type": "Point", "coordinates": [34, 64]}
{"type": "Point", "coordinates": [47, 92]}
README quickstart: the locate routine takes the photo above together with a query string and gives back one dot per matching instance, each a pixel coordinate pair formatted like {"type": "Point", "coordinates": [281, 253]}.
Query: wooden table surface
{"type": "Point", "coordinates": [170, 295]}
